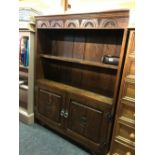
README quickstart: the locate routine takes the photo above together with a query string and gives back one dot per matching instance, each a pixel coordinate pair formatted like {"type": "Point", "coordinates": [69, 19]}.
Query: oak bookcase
{"type": "Point", "coordinates": [75, 92]}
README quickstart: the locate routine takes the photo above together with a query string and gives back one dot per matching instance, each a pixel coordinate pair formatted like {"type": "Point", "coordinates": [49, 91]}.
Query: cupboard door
{"type": "Point", "coordinates": [50, 105]}
{"type": "Point", "coordinates": [86, 122]}
{"type": "Point", "coordinates": [81, 118]}
{"type": "Point", "coordinates": [123, 139]}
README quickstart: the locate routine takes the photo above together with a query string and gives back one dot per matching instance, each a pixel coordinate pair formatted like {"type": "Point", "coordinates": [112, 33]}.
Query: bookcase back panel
{"type": "Point", "coordinates": [94, 79]}
{"type": "Point", "coordinates": [89, 45]}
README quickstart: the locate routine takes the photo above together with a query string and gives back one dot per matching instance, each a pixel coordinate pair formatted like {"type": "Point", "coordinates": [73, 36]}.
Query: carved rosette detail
{"type": "Point", "coordinates": [42, 24]}
{"type": "Point", "coordinates": [56, 24]}
{"type": "Point", "coordinates": [82, 23]}
{"type": "Point", "coordinates": [109, 23]}
{"type": "Point", "coordinates": [89, 23]}
{"type": "Point", "coordinates": [73, 23]}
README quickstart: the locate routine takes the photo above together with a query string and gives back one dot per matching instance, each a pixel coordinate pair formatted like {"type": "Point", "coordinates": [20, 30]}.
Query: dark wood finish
{"type": "Point", "coordinates": [60, 48]}
{"type": "Point", "coordinates": [66, 88]}
{"type": "Point", "coordinates": [88, 121]}
{"type": "Point", "coordinates": [97, 20]}
{"type": "Point", "coordinates": [50, 104]}
{"type": "Point", "coordinates": [72, 115]}
{"type": "Point", "coordinates": [123, 140]}
{"type": "Point", "coordinates": [78, 61]}
{"type": "Point", "coordinates": [75, 91]}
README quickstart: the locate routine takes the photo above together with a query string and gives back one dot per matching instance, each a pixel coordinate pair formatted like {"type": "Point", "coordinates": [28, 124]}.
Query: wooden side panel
{"type": "Point", "coordinates": [122, 149]}
{"type": "Point", "coordinates": [127, 111]}
{"type": "Point", "coordinates": [128, 90]}
{"type": "Point", "coordinates": [123, 140]}
{"type": "Point", "coordinates": [125, 133]}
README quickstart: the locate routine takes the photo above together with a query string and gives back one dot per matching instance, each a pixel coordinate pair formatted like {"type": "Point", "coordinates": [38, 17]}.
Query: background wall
{"type": "Point", "coordinates": [77, 6]}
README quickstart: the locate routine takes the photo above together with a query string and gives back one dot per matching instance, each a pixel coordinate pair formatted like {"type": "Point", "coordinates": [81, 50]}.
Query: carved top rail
{"type": "Point", "coordinates": [97, 20]}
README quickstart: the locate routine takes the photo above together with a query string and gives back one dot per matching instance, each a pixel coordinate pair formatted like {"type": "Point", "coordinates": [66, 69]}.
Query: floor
{"type": "Point", "coordinates": [38, 140]}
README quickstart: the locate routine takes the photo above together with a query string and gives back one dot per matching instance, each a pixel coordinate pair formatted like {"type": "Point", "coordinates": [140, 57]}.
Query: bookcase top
{"type": "Point", "coordinates": [107, 13]}
{"type": "Point", "coordinates": [98, 20]}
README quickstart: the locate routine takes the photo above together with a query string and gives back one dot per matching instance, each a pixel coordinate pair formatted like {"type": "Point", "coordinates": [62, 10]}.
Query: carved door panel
{"type": "Point", "coordinates": [50, 105]}
{"type": "Point", "coordinates": [85, 121]}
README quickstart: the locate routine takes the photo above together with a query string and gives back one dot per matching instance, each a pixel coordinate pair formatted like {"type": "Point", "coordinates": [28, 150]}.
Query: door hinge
{"type": "Point", "coordinates": [105, 146]}
{"type": "Point", "coordinates": [109, 117]}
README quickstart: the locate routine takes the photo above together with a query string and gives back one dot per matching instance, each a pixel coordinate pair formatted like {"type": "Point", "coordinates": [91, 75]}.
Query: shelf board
{"type": "Point", "coordinates": [23, 74]}
{"type": "Point", "coordinates": [23, 68]}
{"type": "Point", "coordinates": [78, 61]}
{"type": "Point", "coordinates": [86, 93]}
{"type": "Point", "coordinates": [23, 86]}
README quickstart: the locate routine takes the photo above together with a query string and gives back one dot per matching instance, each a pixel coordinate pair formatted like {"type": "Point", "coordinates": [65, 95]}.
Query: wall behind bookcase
{"type": "Point", "coordinates": [77, 6]}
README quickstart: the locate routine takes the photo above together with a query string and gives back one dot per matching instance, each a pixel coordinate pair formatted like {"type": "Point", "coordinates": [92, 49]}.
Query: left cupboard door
{"type": "Point", "coordinates": [50, 107]}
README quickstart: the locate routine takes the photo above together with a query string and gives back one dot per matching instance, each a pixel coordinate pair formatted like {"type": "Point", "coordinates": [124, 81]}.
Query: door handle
{"type": "Point", "coordinates": [66, 114]}
{"type": "Point", "coordinates": [62, 112]}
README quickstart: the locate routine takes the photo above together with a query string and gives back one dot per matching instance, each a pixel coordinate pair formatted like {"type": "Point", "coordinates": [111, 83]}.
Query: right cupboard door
{"type": "Point", "coordinates": [86, 121]}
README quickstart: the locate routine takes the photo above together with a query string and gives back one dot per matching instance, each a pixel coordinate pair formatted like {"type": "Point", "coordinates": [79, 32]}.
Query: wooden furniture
{"type": "Point", "coordinates": [26, 74]}
{"type": "Point", "coordinates": [75, 91]}
{"type": "Point", "coordinates": [123, 141]}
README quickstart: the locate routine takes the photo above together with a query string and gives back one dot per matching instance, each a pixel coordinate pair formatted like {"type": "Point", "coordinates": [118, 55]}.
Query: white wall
{"type": "Point", "coordinates": [77, 6]}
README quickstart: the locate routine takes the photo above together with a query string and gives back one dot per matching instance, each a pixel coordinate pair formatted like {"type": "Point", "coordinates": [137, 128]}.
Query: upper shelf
{"type": "Point", "coordinates": [23, 74]}
{"type": "Point", "coordinates": [79, 61]}
{"type": "Point", "coordinates": [23, 70]}
{"type": "Point", "coordinates": [23, 67]}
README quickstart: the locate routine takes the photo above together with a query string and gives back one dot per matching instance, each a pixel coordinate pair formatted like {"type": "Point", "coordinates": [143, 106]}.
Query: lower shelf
{"type": "Point", "coordinates": [92, 95]}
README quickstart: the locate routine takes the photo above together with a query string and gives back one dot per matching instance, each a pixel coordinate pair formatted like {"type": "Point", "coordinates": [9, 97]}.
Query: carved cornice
{"type": "Point", "coordinates": [92, 20]}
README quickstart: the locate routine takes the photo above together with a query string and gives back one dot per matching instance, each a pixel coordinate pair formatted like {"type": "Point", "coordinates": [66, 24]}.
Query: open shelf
{"type": "Point", "coordinates": [79, 61]}
{"type": "Point", "coordinates": [23, 74]}
{"type": "Point", "coordinates": [67, 88]}
{"type": "Point", "coordinates": [23, 86]}
{"type": "Point", "coordinates": [23, 67]}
